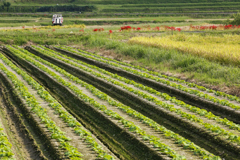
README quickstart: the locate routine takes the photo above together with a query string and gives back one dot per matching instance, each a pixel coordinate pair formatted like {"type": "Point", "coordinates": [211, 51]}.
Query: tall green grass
{"type": "Point", "coordinates": [165, 60]}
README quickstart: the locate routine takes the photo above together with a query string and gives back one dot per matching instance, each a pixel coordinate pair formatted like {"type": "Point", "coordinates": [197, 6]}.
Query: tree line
{"type": "Point", "coordinates": [58, 8]}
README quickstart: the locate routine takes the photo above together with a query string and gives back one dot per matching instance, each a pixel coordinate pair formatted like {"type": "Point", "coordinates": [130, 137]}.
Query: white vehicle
{"type": "Point", "coordinates": [57, 19]}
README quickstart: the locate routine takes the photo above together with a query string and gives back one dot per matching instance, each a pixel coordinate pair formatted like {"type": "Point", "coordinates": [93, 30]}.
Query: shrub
{"type": "Point", "coordinates": [236, 20]}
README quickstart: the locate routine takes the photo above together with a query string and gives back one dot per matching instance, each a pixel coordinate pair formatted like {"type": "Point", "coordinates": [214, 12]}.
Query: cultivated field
{"type": "Point", "coordinates": [88, 107]}
{"type": "Point", "coordinates": [120, 80]}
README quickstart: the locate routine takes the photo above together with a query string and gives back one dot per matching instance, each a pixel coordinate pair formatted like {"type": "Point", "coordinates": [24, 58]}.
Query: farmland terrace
{"type": "Point", "coordinates": [101, 7]}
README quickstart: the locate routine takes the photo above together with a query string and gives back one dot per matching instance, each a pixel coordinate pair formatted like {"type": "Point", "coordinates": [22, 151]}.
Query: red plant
{"type": "Point", "coordinates": [23, 27]}
{"type": "Point", "coordinates": [156, 28]}
{"type": "Point", "coordinates": [213, 27]}
{"type": "Point", "coordinates": [110, 31]}
{"type": "Point", "coordinates": [53, 30]}
{"type": "Point", "coordinates": [227, 26]}
{"type": "Point", "coordinates": [178, 29]}
{"type": "Point", "coordinates": [81, 30]}
{"type": "Point", "coordinates": [126, 28]}
{"type": "Point", "coordinates": [95, 30]}
{"type": "Point", "coordinates": [138, 28]}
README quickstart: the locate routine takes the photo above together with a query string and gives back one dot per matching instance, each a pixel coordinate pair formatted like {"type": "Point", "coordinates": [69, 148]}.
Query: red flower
{"type": "Point", "coordinates": [110, 31]}
{"type": "Point", "coordinates": [126, 28]}
{"type": "Point", "coordinates": [178, 29]}
{"type": "Point", "coordinates": [157, 28]}
{"type": "Point", "coordinates": [138, 28]}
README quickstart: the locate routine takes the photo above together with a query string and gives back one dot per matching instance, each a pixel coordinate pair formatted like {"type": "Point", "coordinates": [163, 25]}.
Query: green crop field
{"type": "Point", "coordinates": [122, 80]}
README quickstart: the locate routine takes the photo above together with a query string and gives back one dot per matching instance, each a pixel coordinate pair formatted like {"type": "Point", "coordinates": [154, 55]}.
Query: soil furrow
{"type": "Point", "coordinates": [183, 84]}
{"type": "Point", "coordinates": [128, 144]}
{"type": "Point", "coordinates": [223, 111]}
{"type": "Point", "coordinates": [150, 130]}
{"type": "Point", "coordinates": [213, 122]}
{"type": "Point", "coordinates": [28, 127]}
{"type": "Point", "coordinates": [146, 128]}
{"type": "Point", "coordinates": [82, 146]}
{"type": "Point", "coordinates": [74, 70]}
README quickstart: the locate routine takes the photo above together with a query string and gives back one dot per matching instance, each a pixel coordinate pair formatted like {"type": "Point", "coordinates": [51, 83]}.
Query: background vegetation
{"type": "Point", "coordinates": [122, 7]}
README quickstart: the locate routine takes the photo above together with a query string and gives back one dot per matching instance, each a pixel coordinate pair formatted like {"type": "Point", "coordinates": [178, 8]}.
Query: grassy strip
{"type": "Point", "coordinates": [68, 118]}
{"type": "Point", "coordinates": [156, 142]}
{"type": "Point", "coordinates": [56, 133]}
{"type": "Point", "coordinates": [201, 112]}
{"type": "Point", "coordinates": [213, 128]}
{"type": "Point", "coordinates": [5, 147]}
{"type": "Point", "coordinates": [217, 93]}
{"type": "Point", "coordinates": [126, 109]}
{"type": "Point", "coordinates": [177, 86]}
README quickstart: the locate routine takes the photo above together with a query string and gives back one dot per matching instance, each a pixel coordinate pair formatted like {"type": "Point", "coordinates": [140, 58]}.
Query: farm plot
{"type": "Point", "coordinates": [217, 102]}
{"type": "Point", "coordinates": [185, 111]}
{"type": "Point", "coordinates": [67, 137]}
{"type": "Point", "coordinates": [132, 119]}
{"type": "Point", "coordinates": [109, 107]}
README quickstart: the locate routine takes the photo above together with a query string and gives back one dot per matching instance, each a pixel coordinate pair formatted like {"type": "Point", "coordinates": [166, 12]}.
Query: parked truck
{"type": "Point", "coordinates": [57, 19]}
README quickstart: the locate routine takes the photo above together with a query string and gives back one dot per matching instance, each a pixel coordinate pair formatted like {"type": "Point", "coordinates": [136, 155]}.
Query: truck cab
{"type": "Point", "coordinates": [57, 19]}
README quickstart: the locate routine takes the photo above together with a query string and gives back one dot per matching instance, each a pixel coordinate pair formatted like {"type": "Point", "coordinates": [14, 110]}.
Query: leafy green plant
{"type": "Point", "coordinates": [236, 20]}
{"type": "Point", "coordinates": [5, 147]}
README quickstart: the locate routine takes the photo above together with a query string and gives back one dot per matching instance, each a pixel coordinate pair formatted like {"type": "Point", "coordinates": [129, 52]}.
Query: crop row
{"type": "Point", "coordinates": [5, 146]}
{"type": "Point", "coordinates": [201, 112]}
{"type": "Point", "coordinates": [103, 97]}
{"type": "Point", "coordinates": [64, 115]}
{"type": "Point", "coordinates": [132, 127]}
{"type": "Point", "coordinates": [162, 78]}
{"type": "Point", "coordinates": [128, 110]}
{"type": "Point", "coordinates": [216, 129]}
{"type": "Point", "coordinates": [31, 101]}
